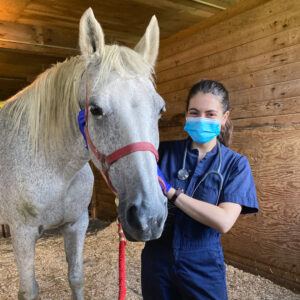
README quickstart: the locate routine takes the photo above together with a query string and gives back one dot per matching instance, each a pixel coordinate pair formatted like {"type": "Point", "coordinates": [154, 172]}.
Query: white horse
{"type": "Point", "coordinates": [45, 178]}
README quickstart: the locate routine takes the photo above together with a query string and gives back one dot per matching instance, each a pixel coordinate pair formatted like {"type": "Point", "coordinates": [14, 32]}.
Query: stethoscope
{"type": "Point", "coordinates": [183, 173]}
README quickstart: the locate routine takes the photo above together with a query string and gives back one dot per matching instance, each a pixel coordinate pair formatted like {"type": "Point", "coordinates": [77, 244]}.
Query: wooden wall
{"type": "Point", "coordinates": [254, 50]}
{"type": "Point", "coordinates": [103, 200]}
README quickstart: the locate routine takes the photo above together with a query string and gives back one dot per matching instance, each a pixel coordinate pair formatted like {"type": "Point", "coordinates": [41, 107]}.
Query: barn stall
{"type": "Point", "coordinates": [252, 47]}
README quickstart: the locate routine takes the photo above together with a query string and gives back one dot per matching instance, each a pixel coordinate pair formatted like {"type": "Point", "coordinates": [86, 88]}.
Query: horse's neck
{"type": "Point", "coordinates": [71, 158]}
{"type": "Point", "coordinates": [65, 159]}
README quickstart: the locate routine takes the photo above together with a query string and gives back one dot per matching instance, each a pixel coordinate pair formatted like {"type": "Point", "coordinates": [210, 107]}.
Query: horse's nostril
{"type": "Point", "coordinates": [133, 218]}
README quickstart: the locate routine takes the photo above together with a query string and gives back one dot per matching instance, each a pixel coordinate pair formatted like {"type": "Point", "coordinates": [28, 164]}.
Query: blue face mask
{"type": "Point", "coordinates": [202, 130]}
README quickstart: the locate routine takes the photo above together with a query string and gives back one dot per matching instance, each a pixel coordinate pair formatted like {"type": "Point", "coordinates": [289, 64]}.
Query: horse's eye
{"type": "Point", "coordinates": [96, 111]}
{"type": "Point", "coordinates": [162, 110]}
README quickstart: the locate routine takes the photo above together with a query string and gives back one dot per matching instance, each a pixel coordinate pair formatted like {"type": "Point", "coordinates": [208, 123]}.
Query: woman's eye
{"type": "Point", "coordinates": [96, 111]}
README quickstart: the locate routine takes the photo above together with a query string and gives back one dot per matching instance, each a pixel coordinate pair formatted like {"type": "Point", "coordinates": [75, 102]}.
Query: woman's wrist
{"type": "Point", "coordinates": [174, 194]}
{"type": "Point", "coordinates": [171, 193]}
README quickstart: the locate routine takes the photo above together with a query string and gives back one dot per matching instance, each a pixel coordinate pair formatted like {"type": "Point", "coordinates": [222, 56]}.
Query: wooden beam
{"type": "Point", "coordinates": [10, 86]}
{"type": "Point", "coordinates": [212, 3]}
{"type": "Point", "coordinates": [11, 10]}
{"type": "Point", "coordinates": [186, 6]}
{"type": "Point", "coordinates": [38, 39]}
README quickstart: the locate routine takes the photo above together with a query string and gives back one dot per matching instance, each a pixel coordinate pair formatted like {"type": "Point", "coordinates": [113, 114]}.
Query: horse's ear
{"type": "Point", "coordinates": [149, 43]}
{"type": "Point", "coordinates": [91, 37]}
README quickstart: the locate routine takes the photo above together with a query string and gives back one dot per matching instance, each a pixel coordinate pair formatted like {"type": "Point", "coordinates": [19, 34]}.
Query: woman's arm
{"type": "Point", "coordinates": [221, 217]}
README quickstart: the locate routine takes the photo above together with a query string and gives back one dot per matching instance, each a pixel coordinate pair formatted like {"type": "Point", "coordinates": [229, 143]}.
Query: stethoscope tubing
{"type": "Point", "coordinates": [214, 172]}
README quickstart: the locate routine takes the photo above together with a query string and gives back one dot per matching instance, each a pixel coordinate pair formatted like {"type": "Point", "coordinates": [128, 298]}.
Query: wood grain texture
{"type": "Point", "coordinates": [271, 43]}
{"type": "Point", "coordinates": [103, 200]}
{"type": "Point", "coordinates": [253, 12]}
{"type": "Point", "coordinates": [274, 232]}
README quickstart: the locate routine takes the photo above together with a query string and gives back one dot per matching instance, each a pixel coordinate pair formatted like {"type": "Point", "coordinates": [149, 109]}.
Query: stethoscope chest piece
{"type": "Point", "coordinates": [183, 174]}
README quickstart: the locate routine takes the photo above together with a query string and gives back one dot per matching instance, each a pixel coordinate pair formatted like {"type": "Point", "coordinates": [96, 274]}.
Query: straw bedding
{"type": "Point", "coordinates": [101, 270]}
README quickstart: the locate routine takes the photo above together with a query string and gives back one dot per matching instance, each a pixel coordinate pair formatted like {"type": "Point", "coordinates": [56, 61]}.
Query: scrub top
{"type": "Point", "coordinates": [189, 255]}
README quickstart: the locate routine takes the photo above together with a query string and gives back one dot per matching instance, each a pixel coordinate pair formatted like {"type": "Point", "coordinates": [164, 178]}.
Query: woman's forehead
{"type": "Point", "coordinates": [205, 101]}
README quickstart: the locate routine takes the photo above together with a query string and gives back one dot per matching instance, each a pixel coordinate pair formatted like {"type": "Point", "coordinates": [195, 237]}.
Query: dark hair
{"type": "Point", "coordinates": [216, 88]}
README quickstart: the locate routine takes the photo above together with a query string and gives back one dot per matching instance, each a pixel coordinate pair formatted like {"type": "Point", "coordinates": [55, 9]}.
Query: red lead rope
{"type": "Point", "coordinates": [122, 263]}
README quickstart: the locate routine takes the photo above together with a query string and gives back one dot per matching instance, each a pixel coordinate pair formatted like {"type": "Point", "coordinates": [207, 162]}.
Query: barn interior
{"type": "Point", "coordinates": [251, 46]}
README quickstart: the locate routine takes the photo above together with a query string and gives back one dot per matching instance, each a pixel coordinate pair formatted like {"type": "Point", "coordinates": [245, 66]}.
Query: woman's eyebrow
{"type": "Point", "coordinates": [195, 109]}
{"type": "Point", "coordinates": [211, 110]}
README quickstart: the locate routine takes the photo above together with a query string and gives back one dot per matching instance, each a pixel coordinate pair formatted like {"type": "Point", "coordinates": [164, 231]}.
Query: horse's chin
{"type": "Point", "coordinates": [141, 236]}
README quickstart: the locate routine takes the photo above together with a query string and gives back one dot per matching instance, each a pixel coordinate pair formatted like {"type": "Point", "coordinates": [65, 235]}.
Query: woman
{"type": "Point", "coordinates": [208, 185]}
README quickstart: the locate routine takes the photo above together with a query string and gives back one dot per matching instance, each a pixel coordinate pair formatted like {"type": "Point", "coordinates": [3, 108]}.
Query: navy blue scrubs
{"type": "Point", "coordinates": [187, 262]}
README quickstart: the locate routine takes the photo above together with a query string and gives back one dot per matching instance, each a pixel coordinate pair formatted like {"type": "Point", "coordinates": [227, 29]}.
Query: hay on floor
{"type": "Point", "coordinates": [101, 270]}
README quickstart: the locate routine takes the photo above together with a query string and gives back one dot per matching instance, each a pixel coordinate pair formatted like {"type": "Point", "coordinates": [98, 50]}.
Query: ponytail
{"type": "Point", "coordinates": [225, 137]}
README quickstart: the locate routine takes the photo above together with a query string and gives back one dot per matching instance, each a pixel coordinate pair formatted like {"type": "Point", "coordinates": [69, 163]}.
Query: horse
{"type": "Point", "coordinates": [46, 181]}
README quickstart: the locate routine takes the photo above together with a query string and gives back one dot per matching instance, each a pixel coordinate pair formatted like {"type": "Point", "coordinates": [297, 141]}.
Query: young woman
{"type": "Point", "coordinates": [208, 185]}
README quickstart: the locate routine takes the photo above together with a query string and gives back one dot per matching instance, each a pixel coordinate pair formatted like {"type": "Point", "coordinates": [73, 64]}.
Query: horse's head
{"type": "Point", "coordinates": [124, 108]}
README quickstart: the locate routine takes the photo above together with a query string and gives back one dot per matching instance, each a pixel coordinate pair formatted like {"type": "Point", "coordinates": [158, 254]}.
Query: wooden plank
{"type": "Point", "coordinates": [39, 35]}
{"type": "Point", "coordinates": [229, 13]}
{"type": "Point", "coordinates": [10, 86]}
{"type": "Point", "coordinates": [286, 89]}
{"type": "Point", "coordinates": [280, 106]}
{"type": "Point", "coordinates": [26, 59]}
{"type": "Point", "coordinates": [4, 231]}
{"type": "Point", "coordinates": [222, 5]}
{"type": "Point", "coordinates": [38, 39]}
{"type": "Point", "coordinates": [235, 37]}
{"type": "Point", "coordinates": [261, 78]}
{"type": "Point", "coordinates": [10, 11]}
{"type": "Point", "coordinates": [105, 207]}
{"type": "Point", "coordinates": [279, 218]}
{"type": "Point", "coordinates": [267, 60]}
{"type": "Point", "coordinates": [31, 39]}
{"type": "Point", "coordinates": [171, 133]}
{"type": "Point", "coordinates": [266, 108]}
{"type": "Point", "coordinates": [20, 47]}
{"type": "Point", "coordinates": [176, 102]}
{"type": "Point", "coordinates": [28, 72]}
{"type": "Point", "coordinates": [241, 16]}
{"type": "Point", "coordinates": [187, 6]}
{"type": "Point", "coordinates": [124, 20]}
{"type": "Point", "coordinates": [23, 65]}
{"type": "Point", "coordinates": [272, 43]}
{"type": "Point", "coordinates": [214, 64]}
{"type": "Point", "coordinates": [268, 123]}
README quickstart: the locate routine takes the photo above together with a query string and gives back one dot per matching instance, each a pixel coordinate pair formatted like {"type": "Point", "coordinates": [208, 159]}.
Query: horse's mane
{"type": "Point", "coordinates": [50, 104]}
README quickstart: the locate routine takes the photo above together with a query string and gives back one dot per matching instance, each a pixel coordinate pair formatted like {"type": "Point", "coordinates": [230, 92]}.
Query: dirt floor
{"type": "Point", "coordinates": [101, 275]}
